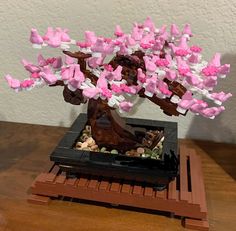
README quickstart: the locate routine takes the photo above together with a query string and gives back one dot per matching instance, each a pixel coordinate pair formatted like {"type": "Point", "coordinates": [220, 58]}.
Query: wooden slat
{"type": "Point", "coordinates": [61, 178]}
{"type": "Point", "coordinates": [148, 191]}
{"type": "Point", "coordinates": [202, 193]}
{"type": "Point", "coordinates": [104, 185]}
{"type": "Point", "coordinates": [83, 181]}
{"type": "Point", "coordinates": [195, 179]}
{"type": "Point", "coordinates": [40, 200]}
{"type": "Point", "coordinates": [184, 196]}
{"type": "Point", "coordinates": [138, 190]}
{"type": "Point", "coordinates": [53, 174]}
{"type": "Point", "coordinates": [126, 188]}
{"type": "Point", "coordinates": [93, 183]}
{"type": "Point", "coordinates": [115, 187]}
{"type": "Point", "coordinates": [161, 194]}
{"type": "Point", "coordinates": [202, 225]}
{"type": "Point", "coordinates": [71, 181]}
{"type": "Point", "coordinates": [172, 195]}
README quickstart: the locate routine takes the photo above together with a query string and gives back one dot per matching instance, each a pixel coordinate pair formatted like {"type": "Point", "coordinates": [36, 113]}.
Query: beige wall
{"type": "Point", "coordinates": [213, 22]}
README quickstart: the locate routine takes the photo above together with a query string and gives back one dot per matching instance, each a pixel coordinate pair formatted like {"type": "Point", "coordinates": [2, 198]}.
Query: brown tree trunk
{"type": "Point", "coordinates": [108, 128]}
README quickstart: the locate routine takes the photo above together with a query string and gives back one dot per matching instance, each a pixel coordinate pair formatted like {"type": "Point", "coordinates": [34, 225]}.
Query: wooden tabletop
{"type": "Point", "coordinates": [25, 150]}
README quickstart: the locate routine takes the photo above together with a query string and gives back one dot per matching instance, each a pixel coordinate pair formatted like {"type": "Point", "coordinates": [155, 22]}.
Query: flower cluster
{"type": "Point", "coordinates": [167, 56]}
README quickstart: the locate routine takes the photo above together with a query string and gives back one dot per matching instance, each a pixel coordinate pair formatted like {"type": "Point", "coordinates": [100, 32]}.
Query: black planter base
{"type": "Point", "coordinates": [119, 166]}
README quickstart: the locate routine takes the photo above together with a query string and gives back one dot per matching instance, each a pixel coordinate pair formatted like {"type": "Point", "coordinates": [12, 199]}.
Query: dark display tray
{"type": "Point", "coordinates": [153, 171]}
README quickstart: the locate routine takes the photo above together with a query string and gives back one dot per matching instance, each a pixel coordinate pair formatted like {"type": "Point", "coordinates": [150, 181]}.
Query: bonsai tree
{"type": "Point", "coordinates": [111, 73]}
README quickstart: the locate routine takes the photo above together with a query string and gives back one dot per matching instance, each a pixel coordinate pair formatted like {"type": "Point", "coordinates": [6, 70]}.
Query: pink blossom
{"type": "Point", "coordinates": [210, 81]}
{"type": "Point", "coordinates": [118, 31]}
{"type": "Point", "coordinates": [210, 70]}
{"type": "Point", "coordinates": [150, 87]}
{"type": "Point", "coordinates": [174, 30]}
{"type": "Point", "coordinates": [150, 66]}
{"type": "Point", "coordinates": [223, 70]}
{"type": "Point", "coordinates": [196, 49]}
{"type": "Point", "coordinates": [102, 82]}
{"type": "Point", "coordinates": [106, 92]}
{"type": "Point", "coordinates": [137, 33]}
{"type": "Point", "coordinates": [95, 62]}
{"type": "Point", "coordinates": [163, 87]}
{"type": "Point", "coordinates": [69, 60]}
{"type": "Point", "coordinates": [162, 62]}
{"type": "Point", "coordinates": [13, 83]}
{"type": "Point", "coordinates": [125, 88]}
{"type": "Point", "coordinates": [67, 72]}
{"type": "Point", "coordinates": [35, 38]}
{"type": "Point", "coordinates": [194, 58]}
{"type": "Point", "coordinates": [91, 92]}
{"type": "Point", "coordinates": [198, 106]}
{"type": "Point", "coordinates": [55, 39]}
{"type": "Point", "coordinates": [149, 24]}
{"type": "Point", "coordinates": [187, 30]}
{"type": "Point", "coordinates": [29, 66]}
{"type": "Point", "coordinates": [115, 88]}
{"type": "Point", "coordinates": [171, 75]}
{"type": "Point", "coordinates": [90, 37]}
{"type": "Point", "coordinates": [42, 61]}
{"type": "Point", "coordinates": [141, 76]}
{"type": "Point", "coordinates": [26, 83]}
{"type": "Point", "coordinates": [125, 106]}
{"type": "Point", "coordinates": [215, 61]}
{"type": "Point", "coordinates": [117, 73]}
{"type": "Point", "coordinates": [57, 62]}
{"type": "Point", "coordinates": [181, 52]}
{"type": "Point", "coordinates": [35, 75]}
{"type": "Point", "coordinates": [107, 40]}
{"type": "Point", "coordinates": [212, 111]}
{"type": "Point", "coordinates": [83, 44]}
{"type": "Point", "coordinates": [49, 34]}
{"type": "Point", "coordinates": [130, 41]}
{"type": "Point", "coordinates": [183, 67]}
{"type": "Point", "coordinates": [145, 46]}
{"type": "Point", "coordinates": [187, 100]}
{"type": "Point", "coordinates": [221, 96]}
{"type": "Point", "coordinates": [192, 79]}
{"type": "Point", "coordinates": [64, 35]}
{"type": "Point", "coordinates": [108, 67]}
{"type": "Point", "coordinates": [183, 71]}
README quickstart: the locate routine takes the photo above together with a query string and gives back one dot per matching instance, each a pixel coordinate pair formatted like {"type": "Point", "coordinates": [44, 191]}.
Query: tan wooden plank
{"type": "Point", "coordinates": [148, 191]}
{"type": "Point", "coordinates": [93, 183]}
{"type": "Point", "coordinates": [115, 187]}
{"type": "Point", "coordinates": [138, 190]}
{"type": "Point", "coordinates": [195, 179]}
{"type": "Point", "coordinates": [71, 181]}
{"type": "Point", "coordinates": [172, 195]}
{"type": "Point", "coordinates": [202, 225]}
{"type": "Point", "coordinates": [161, 194]}
{"type": "Point", "coordinates": [104, 185]}
{"type": "Point", "coordinates": [184, 195]}
{"type": "Point", "coordinates": [40, 200]}
{"type": "Point", "coordinates": [202, 193]}
{"type": "Point", "coordinates": [50, 177]}
{"type": "Point", "coordinates": [126, 188]}
{"type": "Point", "coordinates": [83, 181]}
{"type": "Point", "coordinates": [61, 178]}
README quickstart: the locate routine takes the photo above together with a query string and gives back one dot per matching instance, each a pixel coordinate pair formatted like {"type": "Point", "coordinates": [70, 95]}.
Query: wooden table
{"type": "Point", "coordinates": [24, 152]}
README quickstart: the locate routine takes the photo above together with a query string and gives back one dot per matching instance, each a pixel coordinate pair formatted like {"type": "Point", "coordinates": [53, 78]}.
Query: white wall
{"type": "Point", "coordinates": [213, 22]}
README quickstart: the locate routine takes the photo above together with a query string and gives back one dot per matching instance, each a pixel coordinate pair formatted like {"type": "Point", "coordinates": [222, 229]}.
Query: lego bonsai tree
{"type": "Point", "coordinates": [110, 73]}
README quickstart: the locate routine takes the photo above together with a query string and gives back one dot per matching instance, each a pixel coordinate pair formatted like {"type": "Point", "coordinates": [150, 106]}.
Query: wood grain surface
{"type": "Point", "coordinates": [24, 153]}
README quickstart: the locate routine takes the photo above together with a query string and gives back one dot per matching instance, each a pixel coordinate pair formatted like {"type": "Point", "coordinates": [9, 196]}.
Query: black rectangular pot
{"type": "Point", "coordinates": [119, 166]}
